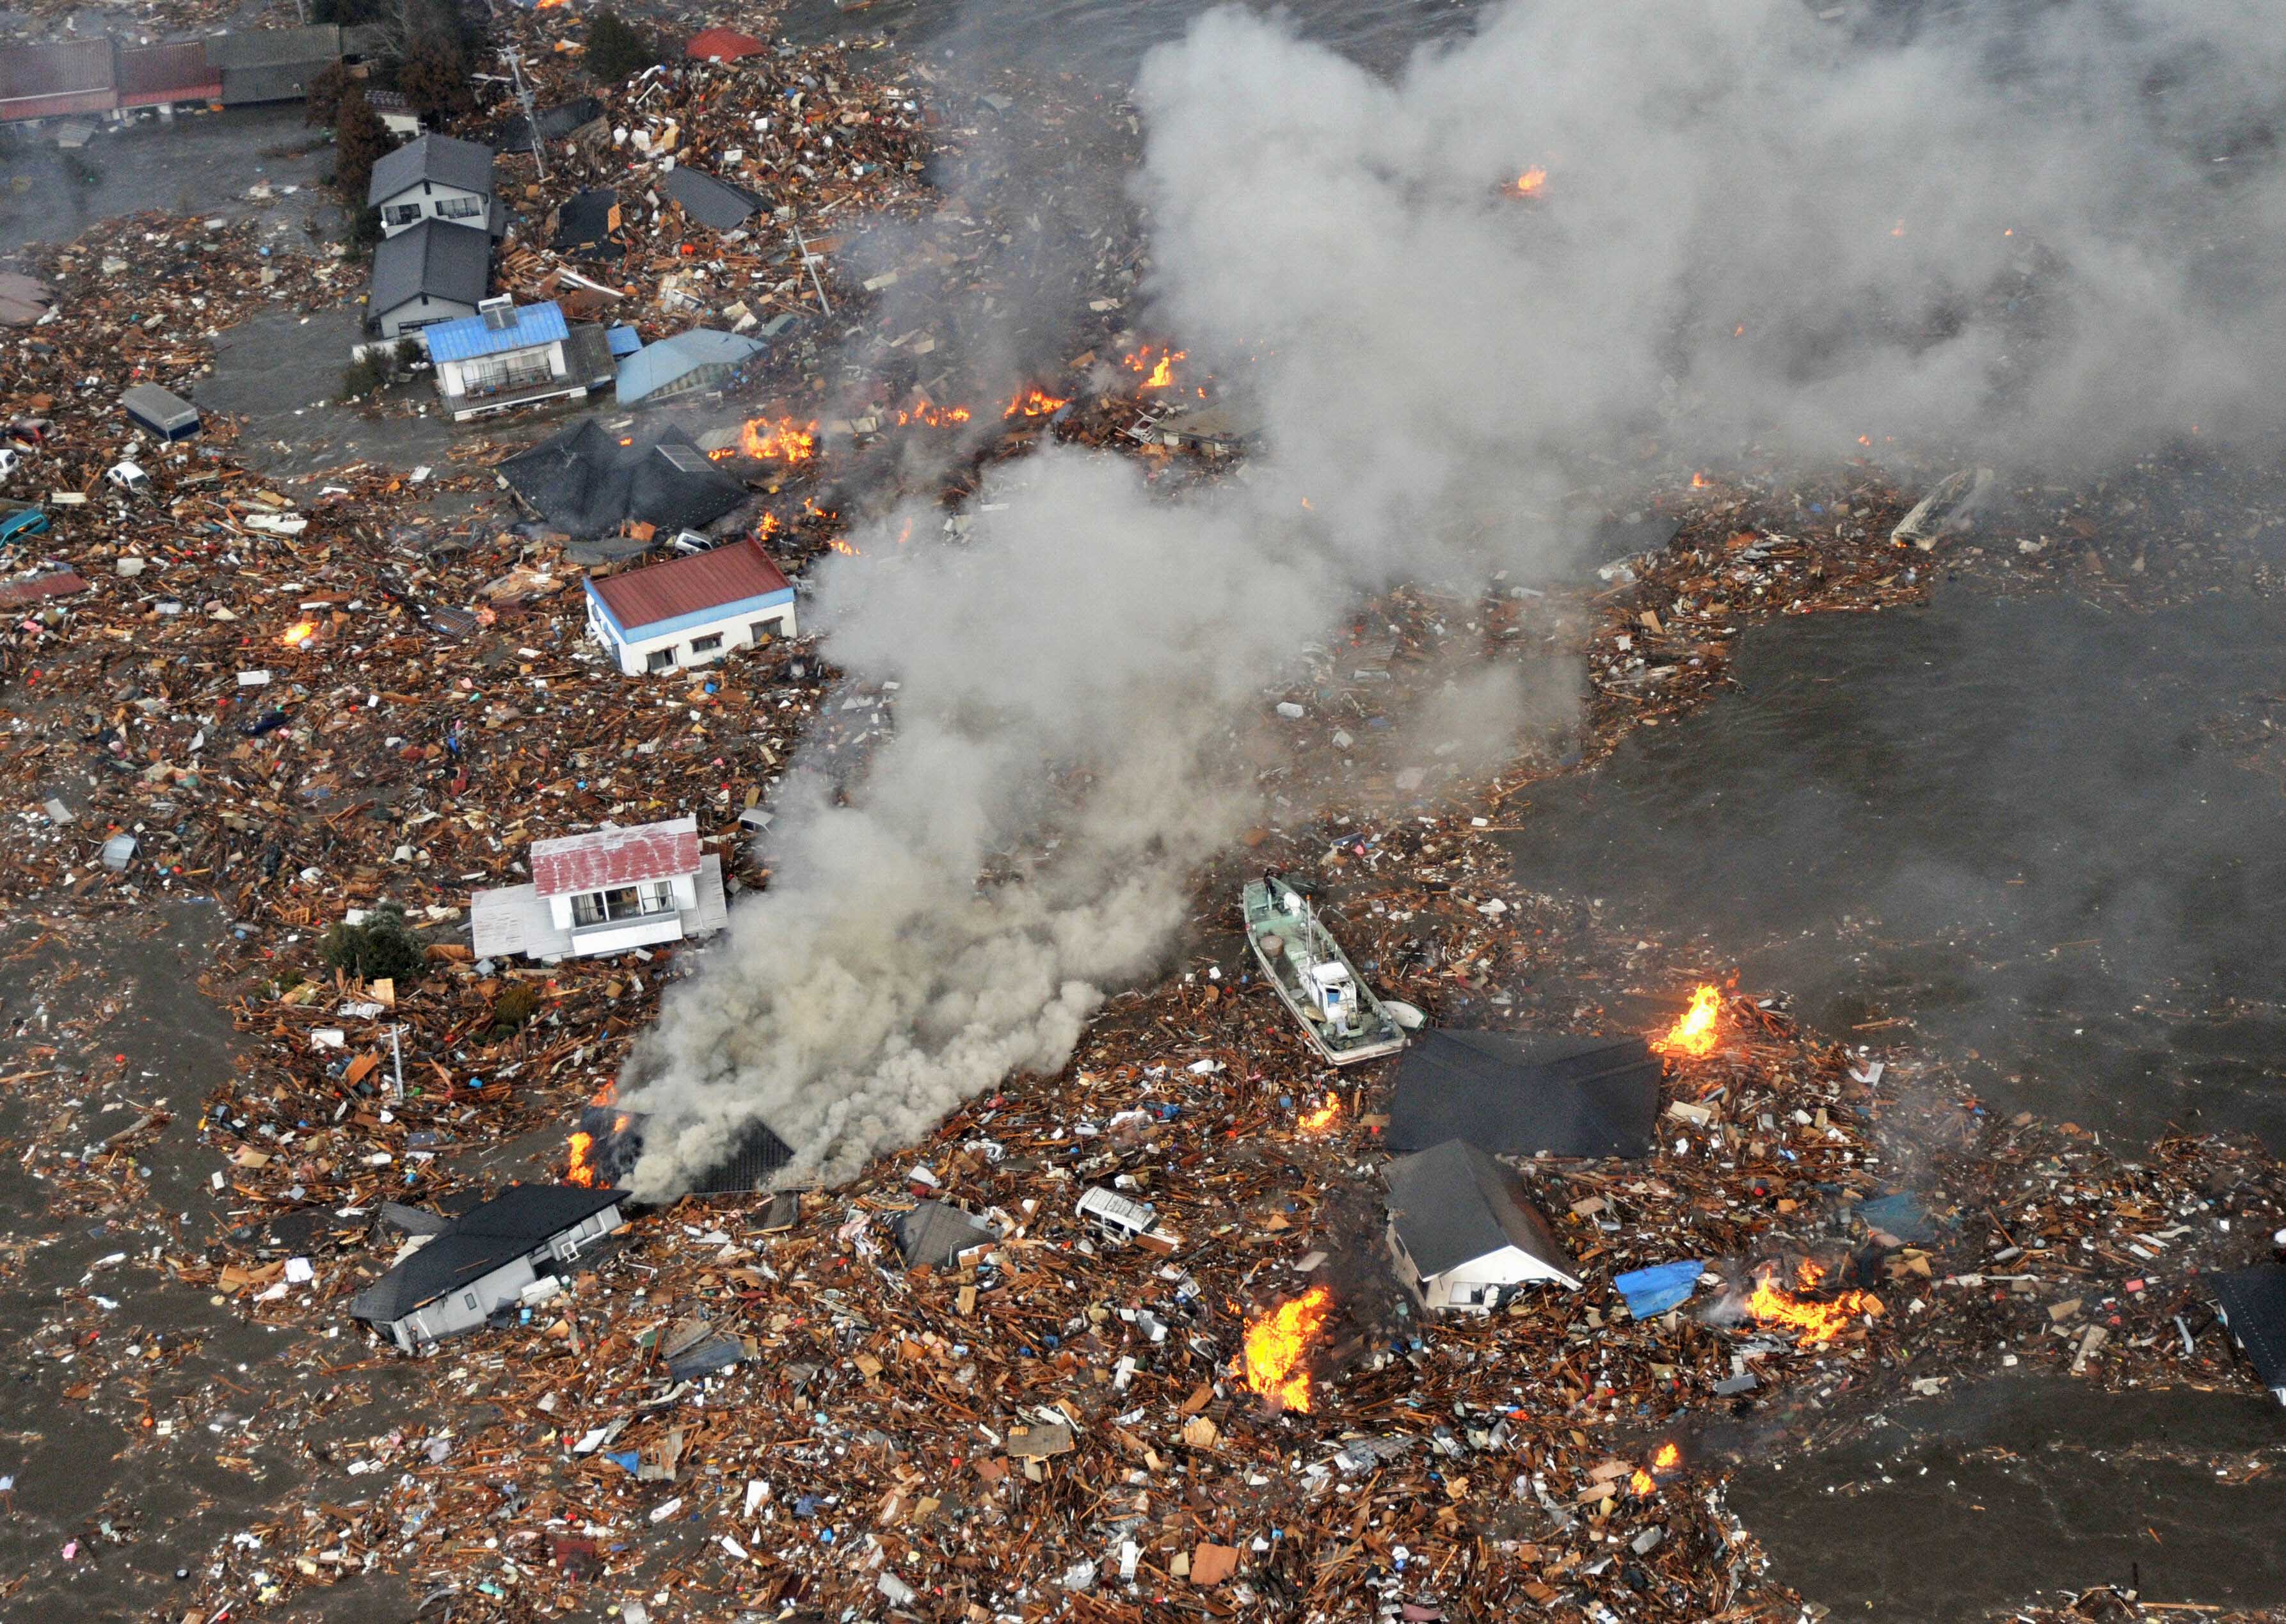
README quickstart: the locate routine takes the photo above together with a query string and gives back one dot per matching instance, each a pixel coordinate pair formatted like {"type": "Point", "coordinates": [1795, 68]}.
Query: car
{"type": "Point", "coordinates": [29, 431]}
{"type": "Point", "coordinates": [689, 541]}
{"type": "Point", "coordinates": [20, 519]}
{"type": "Point", "coordinates": [11, 460]}
{"type": "Point", "coordinates": [130, 478]}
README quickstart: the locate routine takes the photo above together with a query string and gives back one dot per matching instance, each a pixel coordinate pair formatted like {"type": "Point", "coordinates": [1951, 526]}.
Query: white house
{"type": "Point", "coordinates": [605, 893]}
{"type": "Point", "coordinates": [436, 178]}
{"type": "Point", "coordinates": [433, 273]}
{"type": "Point", "coordinates": [493, 1257]}
{"type": "Point", "coordinates": [505, 355]}
{"type": "Point", "coordinates": [1462, 1233]}
{"type": "Point", "coordinates": [691, 611]}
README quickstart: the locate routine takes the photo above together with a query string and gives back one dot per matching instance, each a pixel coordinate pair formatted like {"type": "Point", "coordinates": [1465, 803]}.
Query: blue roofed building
{"type": "Point", "coordinates": [688, 361]}
{"type": "Point", "coordinates": [509, 355]}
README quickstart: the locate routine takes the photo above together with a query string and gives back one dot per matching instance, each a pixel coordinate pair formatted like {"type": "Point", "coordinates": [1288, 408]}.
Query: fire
{"type": "Point", "coordinates": [785, 439]}
{"type": "Point", "coordinates": [1533, 181]}
{"type": "Point", "coordinates": [1696, 1032]}
{"type": "Point", "coordinates": [1700, 482]}
{"type": "Point", "coordinates": [1157, 373]}
{"type": "Point", "coordinates": [842, 546]}
{"type": "Point", "coordinates": [1276, 1363]}
{"type": "Point", "coordinates": [1037, 403]}
{"type": "Point", "coordinates": [582, 1172]}
{"type": "Point", "coordinates": [299, 633]}
{"type": "Point", "coordinates": [1643, 1483]}
{"type": "Point", "coordinates": [1669, 1456]}
{"type": "Point", "coordinates": [935, 417]}
{"type": "Point", "coordinates": [1325, 1117]}
{"type": "Point", "coordinates": [1818, 1322]}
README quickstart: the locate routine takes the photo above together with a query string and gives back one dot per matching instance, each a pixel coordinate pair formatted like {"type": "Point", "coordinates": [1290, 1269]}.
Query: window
{"type": "Point", "coordinates": [401, 214]}
{"type": "Point", "coordinates": [621, 903]}
{"type": "Point", "coordinates": [706, 645]}
{"type": "Point", "coordinates": [765, 630]}
{"type": "Point", "coordinates": [457, 207]}
{"type": "Point", "coordinates": [659, 660]}
{"type": "Point", "coordinates": [489, 375]}
{"type": "Point", "coordinates": [469, 1298]}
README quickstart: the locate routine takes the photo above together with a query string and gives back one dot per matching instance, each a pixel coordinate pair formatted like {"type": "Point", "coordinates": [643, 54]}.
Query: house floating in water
{"type": "Point", "coordinates": [1524, 1093]}
{"type": "Point", "coordinates": [496, 1257]}
{"type": "Point", "coordinates": [507, 355]}
{"type": "Point", "coordinates": [693, 610]}
{"type": "Point", "coordinates": [2253, 1303]}
{"type": "Point", "coordinates": [167, 415]}
{"type": "Point", "coordinates": [436, 178]}
{"type": "Point", "coordinates": [607, 892]}
{"type": "Point", "coordinates": [1463, 1232]}
{"type": "Point", "coordinates": [431, 272]}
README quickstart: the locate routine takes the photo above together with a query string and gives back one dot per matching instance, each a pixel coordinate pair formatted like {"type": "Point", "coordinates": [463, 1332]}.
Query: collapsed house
{"type": "Point", "coordinates": [608, 1142]}
{"type": "Point", "coordinates": [937, 1236]}
{"type": "Point", "coordinates": [1524, 1094]}
{"type": "Point", "coordinates": [509, 1251]}
{"type": "Point", "coordinates": [1463, 1232]}
{"type": "Point", "coordinates": [684, 363]}
{"type": "Point", "coordinates": [708, 200]}
{"type": "Point", "coordinates": [585, 482]}
{"type": "Point", "coordinates": [606, 892]}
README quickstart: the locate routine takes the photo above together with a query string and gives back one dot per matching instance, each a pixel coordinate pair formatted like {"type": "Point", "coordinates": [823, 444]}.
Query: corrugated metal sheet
{"type": "Point", "coordinates": [56, 583]}
{"type": "Point", "coordinates": [608, 857]}
{"type": "Point", "coordinates": [725, 45]}
{"type": "Point", "coordinates": [51, 81]}
{"type": "Point", "coordinates": [153, 75]}
{"type": "Point", "coordinates": [705, 580]}
{"type": "Point", "coordinates": [656, 365]}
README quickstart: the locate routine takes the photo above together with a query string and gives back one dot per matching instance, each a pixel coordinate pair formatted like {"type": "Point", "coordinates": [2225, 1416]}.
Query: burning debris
{"type": "Point", "coordinates": [1532, 182]}
{"type": "Point", "coordinates": [1035, 403]}
{"type": "Point", "coordinates": [1698, 1029]}
{"type": "Point", "coordinates": [781, 439]}
{"type": "Point", "coordinates": [1280, 1344]}
{"type": "Point", "coordinates": [1815, 1323]}
{"type": "Point", "coordinates": [1156, 363]}
{"type": "Point", "coordinates": [1324, 1116]}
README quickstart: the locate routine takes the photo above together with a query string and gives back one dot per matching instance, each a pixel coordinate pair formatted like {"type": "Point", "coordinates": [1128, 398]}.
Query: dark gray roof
{"type": "Point", "coordinates": [716, 204]}
{"type": "Point", "coordinates": [1519, 1093]}
{"type": "Point", "coordinates": [586, 483]}
{"type": "Point", "coordinates": [934, 1234]}
{"type": "Point", "coordinates": [513, 135]}
{"type": "Point", "coordinates": [158, 409]}
{"type": "Point", "coordinates": [1453, 1204]}
{"type": "Point", "coordinates": [2254, 1302]}
{"type": "Point", "coordinates": [269, 81]}
{"type": "Point", "coordinates": [436, 257]}
{"type": "Point", "coordinates": [319, 43]}
{"type": "Point", "coordinates": [585, 221]}
{"type": "Point", "coordinates": [744, 1167]}
{"type": "Point", "coordinates": [519, 1219]}
{"type": "Point", "coordinates": [443, 158]}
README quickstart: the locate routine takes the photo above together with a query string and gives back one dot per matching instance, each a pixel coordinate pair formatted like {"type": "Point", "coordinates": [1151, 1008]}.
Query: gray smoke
{"type": "Point", "coordinates": [2043, 233]}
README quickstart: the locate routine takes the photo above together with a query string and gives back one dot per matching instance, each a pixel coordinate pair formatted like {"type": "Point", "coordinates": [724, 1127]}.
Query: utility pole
{"type": "Point", "coordinates": [396, 1052]}
{"type": "Point", "coordinates": [809, 263]}
{"type": "Point", "coordinates": [531, 119]}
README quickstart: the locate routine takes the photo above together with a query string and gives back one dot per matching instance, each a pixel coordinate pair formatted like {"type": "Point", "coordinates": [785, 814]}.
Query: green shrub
{"type": "Point", "coordinates": [517, 1004]}
{"type": "Point", "coordinates": [384, 947]}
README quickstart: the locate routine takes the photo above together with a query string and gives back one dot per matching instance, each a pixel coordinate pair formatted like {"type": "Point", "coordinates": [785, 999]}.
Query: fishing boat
{"type": "Point", "coordinates": [1314, 978]}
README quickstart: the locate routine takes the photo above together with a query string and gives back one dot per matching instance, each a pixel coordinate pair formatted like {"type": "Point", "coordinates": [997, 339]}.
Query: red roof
{"type": "Point", "coordinates": [610, 857]}
{"type": "Point", "coordinates": [152, 75]}
{"type": "Point", "coordinates": [712, 580]}
{"type": "Point", "coordinates": [49, 80]}
{"type": "Point", "coordinates": [728, 43]}
{"type": "Point", "coordinates": [56, 583]}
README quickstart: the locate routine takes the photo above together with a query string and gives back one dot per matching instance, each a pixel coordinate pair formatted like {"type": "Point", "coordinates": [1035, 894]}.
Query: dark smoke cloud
{"type": "Point", "coordinates": [2017, 232]}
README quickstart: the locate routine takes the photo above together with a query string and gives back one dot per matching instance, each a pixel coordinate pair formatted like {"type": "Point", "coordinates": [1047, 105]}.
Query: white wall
{"type": "Point", "coordinates": [735, 631]}
{"type": "Point", "coordinates": [413, 313]}
{"type": "Point", "coordinates": [430, 198]}
{"type": "Point", "coordinates": [452, 377]}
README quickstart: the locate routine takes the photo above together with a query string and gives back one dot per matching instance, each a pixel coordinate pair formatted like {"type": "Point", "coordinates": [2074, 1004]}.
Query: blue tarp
{"type": "Point", "coordinates": [1650, 1292]}
{"type": "Point", "coordinates": [624, 341]}
{"type": "Point", "coordinates": [1901, 1215]}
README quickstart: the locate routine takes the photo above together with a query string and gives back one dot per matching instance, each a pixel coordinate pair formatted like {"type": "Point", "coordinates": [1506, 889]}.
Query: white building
{"type": "Point", "coordinates": [1462, 1233]}
{"type": "Point", "coordinates": [435, 178]}
{"type": "Point", "coordinates": [605, 893]}
{"type": "Point", "coordinates": [505, 355]}
{"type": "Point", "coordinates": [513, 1250]}
{"type": "Point", "coordinates": [691, 611]}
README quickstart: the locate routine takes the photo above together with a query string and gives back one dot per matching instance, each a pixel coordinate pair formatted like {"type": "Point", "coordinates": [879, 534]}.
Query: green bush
{"type": "Point", "coordinates": [618, 48]}
{"type": "Point", "coordinates": [382, 948]}
{"type": "Point", "coordinates": [518, 1003]}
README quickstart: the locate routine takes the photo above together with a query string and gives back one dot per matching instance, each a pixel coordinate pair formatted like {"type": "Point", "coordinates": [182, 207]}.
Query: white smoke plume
{"type": "Point", "coordinates": [2042, 232]}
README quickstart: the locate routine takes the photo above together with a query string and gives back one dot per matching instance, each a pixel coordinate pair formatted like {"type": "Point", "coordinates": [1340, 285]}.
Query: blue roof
{"type": "Point", "coordinates": [624, 340]}
{"type": "Point", "coordinates": [474, 336]}
{"type": "Point", "coordinates": [654, 366]}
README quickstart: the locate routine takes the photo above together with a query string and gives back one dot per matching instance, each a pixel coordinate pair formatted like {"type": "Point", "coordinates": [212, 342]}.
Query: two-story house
{"type": "Point", "coordinates": [691, 611]}
{"type": "Point", "coordinates": [605, 892]}
{"type": "Point", "coordinates": [505, 355]}
{"type": "Point", "coordinates": [436, 178]}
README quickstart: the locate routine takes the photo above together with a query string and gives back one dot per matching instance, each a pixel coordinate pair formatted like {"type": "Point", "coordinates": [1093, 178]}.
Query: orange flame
{"type": "Point", "coordinates": [1700, 482]}
{"type": "Point", "coordinates": [582, 1171]}
{"type": "Point", "coordinates": [1325, 1117]}
{"type": "Point", "coordinates": [1818, 1322]}
{"type": "Point", "coordinates": [934, 416]}
{"type": "Point", "coordinates": [1669, 1456]}
{"type": "Point", "coordinates": [1696, 1031]}
{"type": "Point", "coordinates": [841, 546]}
{"type": "Point", "coordinates": [1034, 403]}
{"type": "Point", "coordinates": [1276, 1361]}
{"type": "Point", "coordinates": [1157, 373]}
{"type": "Point", "coordinates": [1533, 181]}
{"type": "Point", "coordinates": [785, 439]}
{"type": "Point", "coordinates": [298, 635]}
{"type": "Point", "coordinates": [1643, 1483]}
